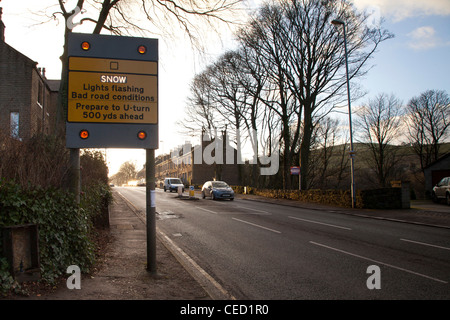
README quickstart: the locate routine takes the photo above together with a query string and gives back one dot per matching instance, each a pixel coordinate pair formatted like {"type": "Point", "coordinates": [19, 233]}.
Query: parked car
{"type": "Point", "coordinates": [442, 191]}
{"type": "Point", "coordinates": [217, 190]}
{"type": "Point", "coordinates": [172, 184]}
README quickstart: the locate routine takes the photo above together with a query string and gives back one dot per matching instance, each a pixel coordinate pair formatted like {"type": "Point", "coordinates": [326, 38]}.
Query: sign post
{"type": "Point", "coordinates": [112, 102]}
{"type": "Point", "coordinates": [297, 171]}
{"type": "Point", "coordinates": [151, 210]}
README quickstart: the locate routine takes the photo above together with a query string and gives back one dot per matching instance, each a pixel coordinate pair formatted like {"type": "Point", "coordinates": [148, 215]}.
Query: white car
{"type": "Point", "coordinates": [172, 184]}
{"type": "Point", "coordinates": [442, 191]}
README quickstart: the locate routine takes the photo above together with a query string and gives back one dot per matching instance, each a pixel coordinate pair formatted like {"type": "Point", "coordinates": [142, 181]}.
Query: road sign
{"type": "Point", "coordinates": [112, 102]}
{"type": "Point", "coordinates": [120, 92]}
{"type": "Point", "coordinates": [112, 92]}
{"type": "Point", "coordinates": [295, 170]}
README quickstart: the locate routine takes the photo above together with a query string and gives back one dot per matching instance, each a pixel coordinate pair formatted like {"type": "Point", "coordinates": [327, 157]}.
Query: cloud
{"type": "Point", "coordinates": [424, 38]}
{"type": "Point", "coordinates": [421, 33]}
{"type": "Point", "coordinates": [401, 9]}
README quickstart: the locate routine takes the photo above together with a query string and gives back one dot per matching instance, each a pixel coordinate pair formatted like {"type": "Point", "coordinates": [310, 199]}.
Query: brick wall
{"type": "Point", "coordinates": [15, 88]}
{"type": "Point", "coordinates": [21, 86]}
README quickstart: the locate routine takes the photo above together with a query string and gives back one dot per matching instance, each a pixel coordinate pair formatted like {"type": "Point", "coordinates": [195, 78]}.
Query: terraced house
{"type": "Point", "coordinates": [188, 162]}
{"type": "Point", "coordinates": [27, 98]}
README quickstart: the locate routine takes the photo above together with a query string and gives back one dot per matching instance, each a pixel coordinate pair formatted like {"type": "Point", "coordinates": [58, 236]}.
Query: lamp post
{"type": "Point", "coordinates": [338, 22]}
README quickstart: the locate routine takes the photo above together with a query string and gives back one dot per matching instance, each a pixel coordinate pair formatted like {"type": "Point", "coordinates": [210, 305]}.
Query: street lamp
{"type": "Point", "coordinates": [338, 22]}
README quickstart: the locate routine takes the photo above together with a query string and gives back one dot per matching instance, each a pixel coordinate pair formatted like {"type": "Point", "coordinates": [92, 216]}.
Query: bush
{"type": "Point", "coordinates": [95, 200]}
{"type": "Point", "coordinates": [65, 228]}
{"type": "Point", "coordinates": [384, 198]}
{"type": "Point", "coordinates": [33, 184]}
{"type": "Point", "coordinates": [40, 161]}
{"type": "Point", "coordinates": [340, 198]}
{"type": "Point", "coordinates": [241, 189]}
{"type": "Point", "coordinates": [93, 167]}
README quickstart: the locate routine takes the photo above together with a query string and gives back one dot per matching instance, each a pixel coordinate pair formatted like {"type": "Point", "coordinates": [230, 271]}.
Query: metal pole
{"type": "Point", "coordinates": [151, 210]}
{"type": "Point", "coordinates": [300, 171]}
{"type": "Point", "coordinates": [352, 153]}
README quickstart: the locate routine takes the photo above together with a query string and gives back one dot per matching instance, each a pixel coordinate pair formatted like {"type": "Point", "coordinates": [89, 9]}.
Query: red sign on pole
{"type": "Point", "coordinates": [295, 171]}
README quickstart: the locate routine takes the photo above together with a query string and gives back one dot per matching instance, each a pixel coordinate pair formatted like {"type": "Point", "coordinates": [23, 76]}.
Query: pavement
{"type": "Point", "coordinates": [121, 274]}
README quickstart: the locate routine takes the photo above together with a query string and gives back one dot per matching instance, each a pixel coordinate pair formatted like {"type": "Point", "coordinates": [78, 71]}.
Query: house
{"type": "Point", "coordinates": [28, 99]}
{"type": "Point", "coordinates": [435, 171]}
{"type": "Point", "coordinates": [214, 159]}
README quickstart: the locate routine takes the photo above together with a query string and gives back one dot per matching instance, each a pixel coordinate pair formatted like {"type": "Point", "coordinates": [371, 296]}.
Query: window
{"type": "Point", "coordinates": [14, 124]}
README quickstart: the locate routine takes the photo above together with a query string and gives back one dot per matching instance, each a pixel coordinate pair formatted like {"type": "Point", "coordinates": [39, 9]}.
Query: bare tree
{"type": "Point", "coordinates": [379, 123]}
{"type": "Point", "coordinates": [263, 36]}
{"type": "Point", "coordinates": [317, 58]}
{"type": "Point", "coordinates": [291, 66]}
{"type": "Point", "coordinates": [303, 56]}
{"type": "Point", "coordinates": [127, 172]}
{"type": "Point", "coordinates": [429, 122]}
{"type": "Point", "coordinates": [201, 113]}
{"type": "Point", "coordinates": [228, 94]}
{"type": "Point", "coordinates": [256, 118]}
{"type": "Point", "coordinates": [326, 155]}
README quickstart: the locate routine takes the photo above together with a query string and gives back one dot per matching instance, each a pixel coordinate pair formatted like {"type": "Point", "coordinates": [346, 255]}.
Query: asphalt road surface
{"type": "Point", "coordinates": [258, 250]}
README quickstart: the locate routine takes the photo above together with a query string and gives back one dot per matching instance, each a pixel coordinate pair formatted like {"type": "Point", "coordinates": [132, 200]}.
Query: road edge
{"type": "Point", "coordinates": [204, 279]}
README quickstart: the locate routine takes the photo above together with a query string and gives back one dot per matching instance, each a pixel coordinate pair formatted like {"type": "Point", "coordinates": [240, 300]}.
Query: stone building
{"type": "Point", "coordinates": [214, 159]}
{"type": "Point", "coordinates": [27, 98]}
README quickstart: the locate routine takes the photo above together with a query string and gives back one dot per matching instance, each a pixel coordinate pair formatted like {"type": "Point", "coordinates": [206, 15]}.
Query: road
{"type": "Point", "coordinates": [258, 250]}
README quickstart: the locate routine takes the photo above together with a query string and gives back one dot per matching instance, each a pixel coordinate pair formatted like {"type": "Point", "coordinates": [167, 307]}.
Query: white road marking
{"type": "Point", "coordinates": [378, 262]}
{"type": "Point", "coordinates": [325, 224]}
{"type": "Point", "coordinates": [425, 244]}
{"type": "Point", "coordinates": [257, 225]}
{"type": "Point", "coordinates": [210, 211]}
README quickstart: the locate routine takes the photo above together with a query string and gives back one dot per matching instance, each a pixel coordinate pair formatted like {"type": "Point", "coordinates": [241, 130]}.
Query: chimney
{"type": "Point", "coordinates": [2, 27]}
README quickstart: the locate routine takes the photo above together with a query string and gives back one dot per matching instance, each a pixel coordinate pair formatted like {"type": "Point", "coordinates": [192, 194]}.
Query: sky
{"type": "Point", "coordinates": [415, 60]}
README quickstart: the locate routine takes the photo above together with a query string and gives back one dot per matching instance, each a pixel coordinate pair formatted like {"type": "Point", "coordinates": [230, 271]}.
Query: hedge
{"type": "Point", "coordinates": [384, 198]}
{"type": "Point", "coordinates": [341, 198]}
{"type": "Point", "coordinates": [65, 228]}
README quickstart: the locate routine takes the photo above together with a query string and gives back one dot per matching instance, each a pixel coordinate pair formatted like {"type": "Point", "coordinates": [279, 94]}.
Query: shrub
{"type": "Point", "coordinates": [95, 200]}
{"type": "Point", "coordinates": [41, 160]}
{"type": "Point", "coordinates": [33, 182]}
{"type": "Point", "coordinates": [340, 198]}
{"type": "Point", "coordinates": [93, 167]}
{"type": "Point", "coordinates": [65, 228]}
{"type": "Point", "coordinates": [241, 189]}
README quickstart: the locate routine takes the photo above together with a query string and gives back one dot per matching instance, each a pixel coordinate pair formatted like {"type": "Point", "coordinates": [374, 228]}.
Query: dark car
{"type": "Point", "coordinates": [442, 191]}
{"type": "Point", "coordinates": [217, 190]}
